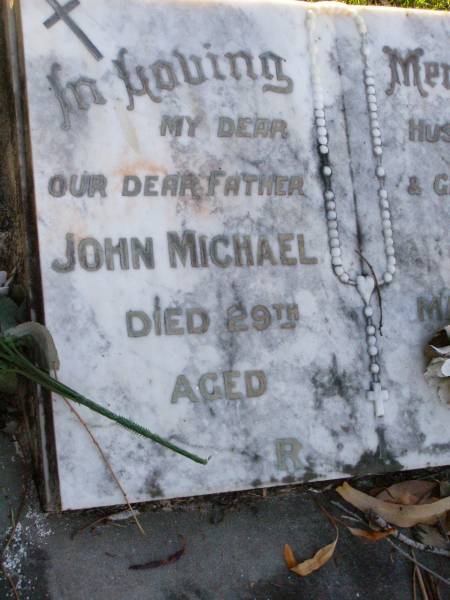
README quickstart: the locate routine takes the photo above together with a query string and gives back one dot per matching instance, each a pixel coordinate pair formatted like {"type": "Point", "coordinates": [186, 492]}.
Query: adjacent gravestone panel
{"type": "Point", "coordinates": [226, 196]}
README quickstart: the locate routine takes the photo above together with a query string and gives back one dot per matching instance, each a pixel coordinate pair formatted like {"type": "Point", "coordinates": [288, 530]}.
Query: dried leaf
{"type": "Point", "coordinates": [437, 372]}
{"type": "Point", "coordinates": [444, 489]}
{"type": "Point", "coordinates": [444, 351]}
{"type": "Point", "coordinates": [123, 515]}
{"type": "Point", "coordinates": [373, 536]}
{"type": "Point", "coordinates": [447, 523]}
{"type": "Point", "coordinates": [397, 514]}
{"type": "Point", "coordinates": [410, 492]}
{"type": "Point", "coordinates": [434, 369]}
{"type": "Point", "coordinates": [43, 342]}
{"type": "Point", "coordinates": [289, 557]}
{"type": "Point", "coordinates": [439, 342]}
{"type": "Point", "coordinates": [154, 564]}
{"type": "Point", "coordinates": [320, 558]}
{"type": "Point", "coordinates": [431, 536]}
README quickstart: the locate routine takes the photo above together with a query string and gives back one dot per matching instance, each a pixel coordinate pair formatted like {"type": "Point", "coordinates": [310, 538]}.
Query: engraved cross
{"type": "Point", "coordinates": [378, 396]}
{"type": "Point", "coordinates": [62, 14]}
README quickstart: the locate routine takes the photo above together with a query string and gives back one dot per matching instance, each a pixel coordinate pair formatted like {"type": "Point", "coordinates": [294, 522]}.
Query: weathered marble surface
{"type": "Point", "coordinates": [315, 419]}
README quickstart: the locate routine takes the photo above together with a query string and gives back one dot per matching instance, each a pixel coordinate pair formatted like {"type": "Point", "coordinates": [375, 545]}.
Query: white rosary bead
{"type": "Point", "coordinates": [374, 120]}
{"type": "Point", "coordinates": [334, 243]}
{"type": "Point", "coordinates": [390, 251]}
{"type": "Point", "coordinates": [386, 214]}
{"type": "Point", "coordinates": [332, 224]}
{"type": "Point", "coordinates": [391, 261]}
{"type": "Point", "coordinates": [391, 269]}
{"type": "Point", "coordinates": [336, 261]}
{"type": "Point", "coordinates": [322, 131]}
{"type": "Point", "coordinates": [323, 141]}
{"type": "Point", "coordinates": [339, 271]}
{"type": "Point", "coordinates": [384, 203]}
{"type": "Point", "coordinates": [333, 234]}
{"type": "Point", "coordinates": [326, 171]}
{"type": "Point", "coordinates": [388, 232]}
{"type": "Point", "coordinates": [372, 340]}
{"type": "Point", "coordinates": [382, 193]}
{"type": "Point", "coordinates": [331, 215]}
{"type": "Point", "coordinates": [368, 311]}
{"type": "Point", "coordinates": [323, 149]}
{"type": "Point", "coordinates": [371, 90]}
{"type": "Point", "coordinates": [335, 252]}
{"type": "Point", "coordinates": [370, 330]}
{"type": "Point", "coordinates": [373, 107]}
{"type": "Point", "coordinates": [331, 205]}
{"type": "Point", "coordinates": [373, 350]}
{"type": "Point", "coordinates": [320, 122]}
{"type": "Point", "coordinates": [377, 150]}
{"type": "Point", "coordinates": [376, 141]}
{"type": "Point", "coordinates": [344, 277]}
{"type": "Point", "coordinates": [329, 195]}
{"type": "Point", "coordinates": [376, 132]}
{"type": "Point", "coordinates": [387, 277]}
{"type": "Point", "coordinates": [375, 368]}
{"type": "Point", "coordinates": [319, 113]}
{"type": "Point", "coordinates": [371, 98]}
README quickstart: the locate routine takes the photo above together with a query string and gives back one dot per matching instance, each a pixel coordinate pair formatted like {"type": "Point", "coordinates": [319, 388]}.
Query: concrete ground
{"type": "Point", "coordinates": [234, 550]}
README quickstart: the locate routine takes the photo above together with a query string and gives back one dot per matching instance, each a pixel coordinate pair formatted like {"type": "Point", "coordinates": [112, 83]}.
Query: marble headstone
{"type": "Point", "coordinates": [242, 210]}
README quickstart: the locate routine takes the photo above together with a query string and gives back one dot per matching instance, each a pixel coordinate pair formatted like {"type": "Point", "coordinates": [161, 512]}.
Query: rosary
{"type": "Point", "coordinates": [364, 284]}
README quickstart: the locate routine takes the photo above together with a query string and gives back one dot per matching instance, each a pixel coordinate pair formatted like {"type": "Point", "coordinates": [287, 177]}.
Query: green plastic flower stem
{"type": "Point", "coordinates": [22, 366]}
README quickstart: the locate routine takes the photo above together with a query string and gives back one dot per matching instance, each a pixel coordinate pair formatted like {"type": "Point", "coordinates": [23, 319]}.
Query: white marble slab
{"type": "Point", "coordinates": [314, 396]}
